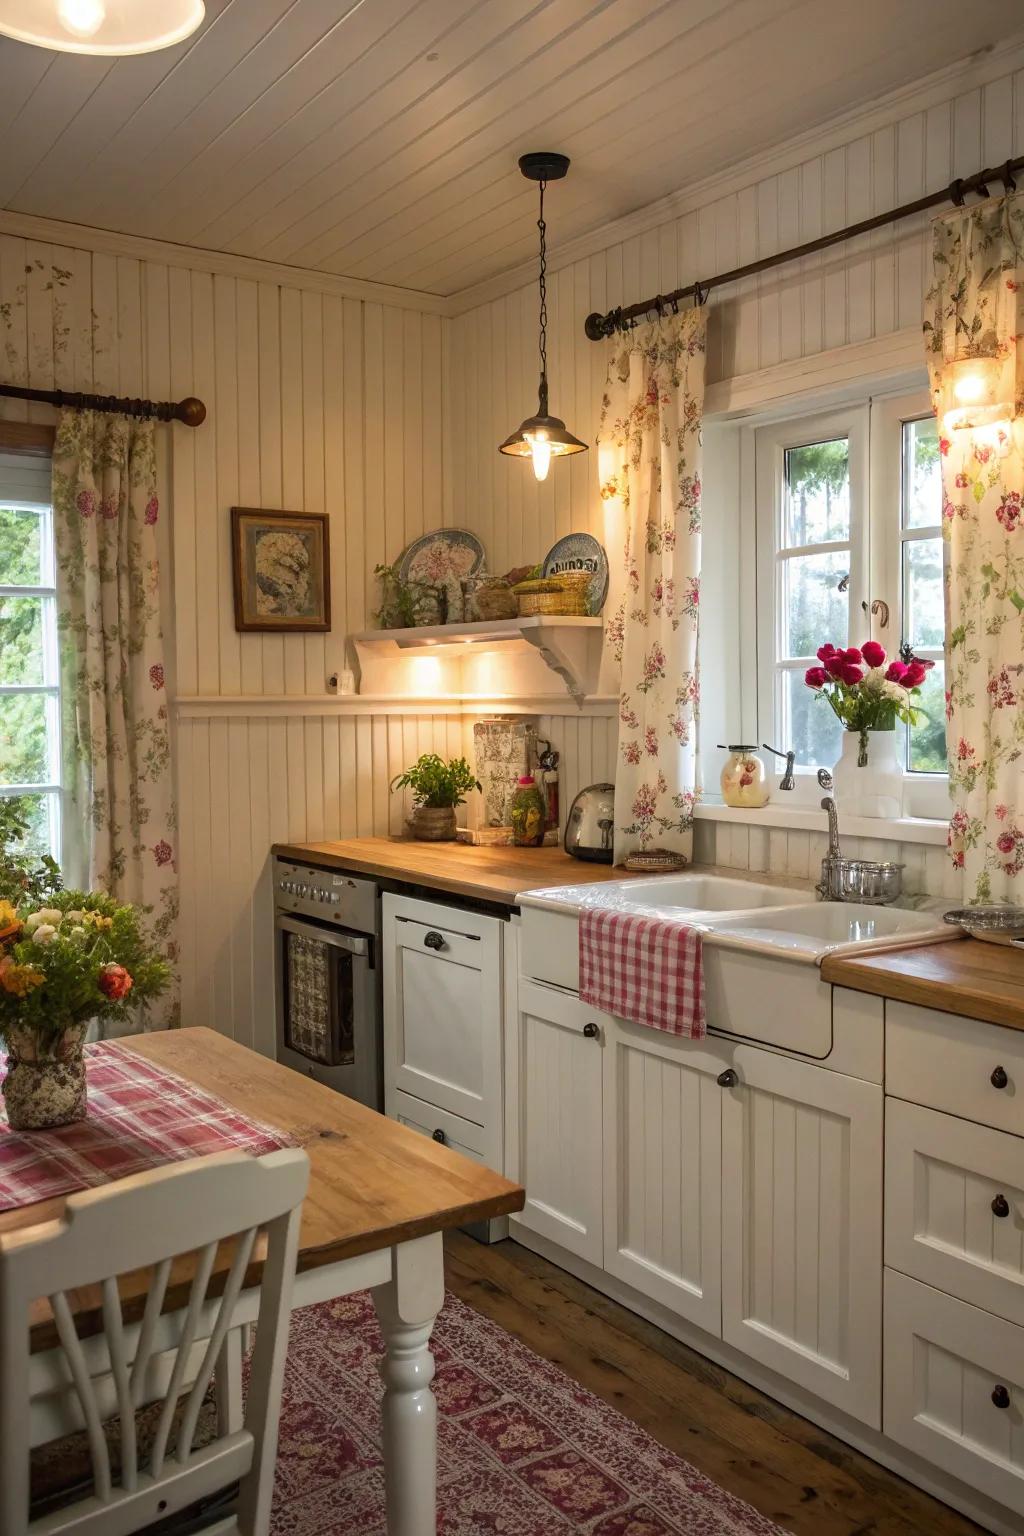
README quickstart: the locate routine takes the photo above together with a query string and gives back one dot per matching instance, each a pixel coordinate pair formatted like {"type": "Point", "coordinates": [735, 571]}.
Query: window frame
{"type": "Point", "coordinates": [873, 424]}
{"type": "Point", "coordinates": [771, 443]}
{"type": "Point", "coordinates": [26, 481]}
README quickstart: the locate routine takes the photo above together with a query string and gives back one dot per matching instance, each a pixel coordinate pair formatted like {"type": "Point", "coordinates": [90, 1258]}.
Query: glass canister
{"type": "Point", "coordinates": [744, 781]}
{"type": "Point", "coordinates": [527, 810]}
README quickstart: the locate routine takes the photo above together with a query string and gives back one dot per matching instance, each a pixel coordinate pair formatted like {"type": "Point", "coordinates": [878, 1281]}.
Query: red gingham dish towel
{"type": "Point", "coordinates": [140, 1116]}
{"type": "Point", "coordinates": [644, 969]}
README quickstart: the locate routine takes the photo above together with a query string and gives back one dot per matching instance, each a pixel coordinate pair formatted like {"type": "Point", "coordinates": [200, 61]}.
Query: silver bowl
{"type": "Point", "coordinates": [866, 880]}
{"type": "Point", "coordinates": [995, 924]}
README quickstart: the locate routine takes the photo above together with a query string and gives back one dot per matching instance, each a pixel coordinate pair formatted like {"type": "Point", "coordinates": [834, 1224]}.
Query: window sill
{"type": "Point", "coordinates": [898, 829]}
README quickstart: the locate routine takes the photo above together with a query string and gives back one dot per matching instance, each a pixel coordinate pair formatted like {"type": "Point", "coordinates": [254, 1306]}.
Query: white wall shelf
{"type": "Point", "coordinates": [483, 660]}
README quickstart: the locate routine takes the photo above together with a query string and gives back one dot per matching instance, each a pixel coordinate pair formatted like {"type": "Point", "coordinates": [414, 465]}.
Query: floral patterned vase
{"type": "Point", "coordinates": [868, 778]}
{"type": "Point", "coordinates": [45, 1085]}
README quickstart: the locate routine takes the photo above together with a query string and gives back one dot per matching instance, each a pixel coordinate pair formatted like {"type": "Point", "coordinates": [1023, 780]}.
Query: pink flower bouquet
{"type": "Point", "coordinates": [867, 692]}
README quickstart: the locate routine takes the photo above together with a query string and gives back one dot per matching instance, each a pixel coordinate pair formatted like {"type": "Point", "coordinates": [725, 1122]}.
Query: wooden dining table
{"type": "Point", "coordinates": [380, 1197]}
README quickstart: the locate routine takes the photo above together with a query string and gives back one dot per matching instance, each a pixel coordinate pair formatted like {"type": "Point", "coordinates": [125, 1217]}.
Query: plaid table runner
{"type": "Point", "coordinates": [644, 969]}
{"type": "Point", "coordinates": [140, 1116]}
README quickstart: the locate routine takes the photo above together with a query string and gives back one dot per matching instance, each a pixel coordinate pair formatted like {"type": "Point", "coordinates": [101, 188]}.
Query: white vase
{"type": "Point", "coordinates": [874, 788]}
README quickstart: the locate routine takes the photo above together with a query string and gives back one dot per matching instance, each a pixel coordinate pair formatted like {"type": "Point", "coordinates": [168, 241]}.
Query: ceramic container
{"type": "Point", "coordinates": [528, 813]}
{"type": "Point", "coordinates": [744, 780]}
{"type": "Point", "coordinates": [433, 823]}
{"type": "Point", "coordinates": [874, 788]}
{"type": "Point", "coordinates": [45, 1087]}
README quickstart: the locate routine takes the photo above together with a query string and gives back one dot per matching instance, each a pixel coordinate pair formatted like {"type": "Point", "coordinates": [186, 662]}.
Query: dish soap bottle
{"type": "Point", "coordinates": [744, 782]}
{"type": "Point", "coordinates": [527, 813]}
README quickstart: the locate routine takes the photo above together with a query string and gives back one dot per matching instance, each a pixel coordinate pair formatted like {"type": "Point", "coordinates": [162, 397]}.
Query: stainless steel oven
{"type": "Point", "coordinates": [327, 967]}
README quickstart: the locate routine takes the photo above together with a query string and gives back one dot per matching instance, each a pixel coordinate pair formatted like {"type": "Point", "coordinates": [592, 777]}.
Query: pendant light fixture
{"type": "Point", "coordinates": [111, 27]}
{"type": "Point", "coordinates": [542, 437]}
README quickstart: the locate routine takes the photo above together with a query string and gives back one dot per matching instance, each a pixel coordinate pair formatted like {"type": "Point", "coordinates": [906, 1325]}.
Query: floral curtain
{"type": "Point", "coordinates": [119, 822]}
{"type": "Point", "coordinates": [974, 332]}
{"type": "Point", "coordinates": [650, 473]}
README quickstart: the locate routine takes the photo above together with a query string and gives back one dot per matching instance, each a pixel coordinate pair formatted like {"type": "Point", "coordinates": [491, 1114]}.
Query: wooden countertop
{"type": "Point", "coordinates": [968, 976]}
{"type": "Point", "coordinates": [486, 874]}
{"type": "Point", "coordinates": [372, 1183]}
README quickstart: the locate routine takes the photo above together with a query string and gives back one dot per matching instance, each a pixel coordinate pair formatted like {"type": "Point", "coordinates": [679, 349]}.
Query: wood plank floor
{"type": "Point", "coordinates": [788, 1468]}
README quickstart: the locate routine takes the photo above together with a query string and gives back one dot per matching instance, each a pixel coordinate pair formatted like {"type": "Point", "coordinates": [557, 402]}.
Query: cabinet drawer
{"type": "Point", "coordinates": [954, 1387]}
{"type": "Point", "coordinates": [954, 1206]}
{"type": "Point", "coordinates": [967, 1068]}
{"type": "Point", "coordinates": [461, 1135]}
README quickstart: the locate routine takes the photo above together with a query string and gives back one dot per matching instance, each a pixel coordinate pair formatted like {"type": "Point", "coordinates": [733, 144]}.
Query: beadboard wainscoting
{"type": "Point", "coordinates": [855, 311]}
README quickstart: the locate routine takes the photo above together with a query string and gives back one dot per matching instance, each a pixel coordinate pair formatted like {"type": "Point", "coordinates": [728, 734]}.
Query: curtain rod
{"type": "Point", "coordinates": [599, 326]}
{"type": "Point", "coordinates": [190, 412]}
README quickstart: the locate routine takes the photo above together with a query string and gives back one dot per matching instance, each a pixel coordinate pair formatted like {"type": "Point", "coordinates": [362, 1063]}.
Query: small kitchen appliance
{"type": "Point", "coordinates": [327, 964]}
{"type": "Point", "coordinates": [590, 826]}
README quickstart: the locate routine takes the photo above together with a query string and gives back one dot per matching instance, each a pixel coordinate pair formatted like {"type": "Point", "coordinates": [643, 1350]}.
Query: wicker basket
{"type": "Point", "coordinates": [552, 597]}
{"type": "Point", "coordinates": [494, 599]}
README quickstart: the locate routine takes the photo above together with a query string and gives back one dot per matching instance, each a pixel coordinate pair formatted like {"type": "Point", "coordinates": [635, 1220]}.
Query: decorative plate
{"type": "Point", "coordinates": [580, 552]}
{"type": "Point", "coordinates": [996, 924]}
{"type": "Point", "coordinates": [443, 558]}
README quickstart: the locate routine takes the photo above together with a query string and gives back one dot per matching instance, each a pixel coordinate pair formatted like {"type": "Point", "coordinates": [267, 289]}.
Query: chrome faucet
{"type": "Point", "coordinates": [786, 782]}
{"type": "Point", "coordinates": [830, 884]}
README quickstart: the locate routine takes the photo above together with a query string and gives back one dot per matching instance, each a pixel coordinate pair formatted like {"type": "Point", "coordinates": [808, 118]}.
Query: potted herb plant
{"type": "Point", "coordinates": [437, 788]}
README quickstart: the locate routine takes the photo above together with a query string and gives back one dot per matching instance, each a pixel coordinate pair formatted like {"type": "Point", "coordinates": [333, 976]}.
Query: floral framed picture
{"type": "Point", "coordinates": [282, 570]}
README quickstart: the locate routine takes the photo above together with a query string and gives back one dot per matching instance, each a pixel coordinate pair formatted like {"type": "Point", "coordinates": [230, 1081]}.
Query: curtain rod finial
{"type": "Point", "coordinates": [594, 325]}
{"type": "Point", "coordinates": [190, 411]}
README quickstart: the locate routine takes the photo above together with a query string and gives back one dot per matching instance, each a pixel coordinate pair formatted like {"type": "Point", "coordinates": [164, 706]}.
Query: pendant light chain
{"type": "Point", "coordinates": [543, 286]}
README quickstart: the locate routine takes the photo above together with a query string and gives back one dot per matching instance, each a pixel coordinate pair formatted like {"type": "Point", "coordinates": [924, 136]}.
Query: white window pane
{"type": "Point", "coordinates": [810, 728]}
{"type": "Point", "coordinates": [926, 747]}
{"type": "Point", "coordinates": [42, 812]}
{"type": "Point", "coordinates": [924, 623]}
{"type": "Point", "coordinates": [922, 478]}
{"type": "Point", "coordinates": [21, 548]}
{"type": "Point", "coordinates": [21, 640]}
{"type": "Point", "coordinates": [812, 610]}
{"type": "Point", "coordinates": [24, 749]}
{"type": "Point", "coordinates": [817, 495]}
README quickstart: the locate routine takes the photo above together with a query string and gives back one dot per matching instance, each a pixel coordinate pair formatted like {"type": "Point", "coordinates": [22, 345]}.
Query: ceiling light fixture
{"type": "Point", "coordinates": [113, 27]}
{"type": "Point", "coordinates": [542, 437]}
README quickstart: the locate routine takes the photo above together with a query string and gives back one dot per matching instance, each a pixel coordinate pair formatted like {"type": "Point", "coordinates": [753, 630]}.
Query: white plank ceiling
{"type": "Point", "coordinates": [379, 138]}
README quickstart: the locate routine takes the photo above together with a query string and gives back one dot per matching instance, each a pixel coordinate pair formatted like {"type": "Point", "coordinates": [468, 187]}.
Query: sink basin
{"type": "Point", "coordinates": [670, 895]}
{"type": "Point", "coordinates": [809, 933]}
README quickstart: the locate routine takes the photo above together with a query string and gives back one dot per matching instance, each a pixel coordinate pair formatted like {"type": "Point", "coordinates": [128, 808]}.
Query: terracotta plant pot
{"type": "Point", "coordinates": [45, 1086]}
{"type": "Point", "coordinates": [433, 823]}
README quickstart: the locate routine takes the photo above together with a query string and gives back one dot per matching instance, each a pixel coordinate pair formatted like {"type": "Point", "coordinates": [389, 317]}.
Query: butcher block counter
{"type": "Point", "coordinates": [968, 977]}
{"type": "Point", "coordinates": [481, 874]}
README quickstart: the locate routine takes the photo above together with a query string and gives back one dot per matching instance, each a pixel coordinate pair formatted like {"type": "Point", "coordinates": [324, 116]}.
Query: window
{"type": "Point", "coordinates": [29, 676]}
{"type": "Point", "coordinates": [849, 545]}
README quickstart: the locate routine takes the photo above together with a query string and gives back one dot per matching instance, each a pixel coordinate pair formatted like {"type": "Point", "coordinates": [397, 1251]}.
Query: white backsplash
{"type": "Point", "coordinates": [928, 870]}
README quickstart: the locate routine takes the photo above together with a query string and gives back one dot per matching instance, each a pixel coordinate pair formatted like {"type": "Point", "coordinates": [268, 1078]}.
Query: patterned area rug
{"type": "Point", "coordinates": [523, 1450]}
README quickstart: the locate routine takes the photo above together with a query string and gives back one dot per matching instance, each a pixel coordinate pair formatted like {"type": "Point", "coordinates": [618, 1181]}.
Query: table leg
{"type": "Point", "coordinates": [406, 1308]}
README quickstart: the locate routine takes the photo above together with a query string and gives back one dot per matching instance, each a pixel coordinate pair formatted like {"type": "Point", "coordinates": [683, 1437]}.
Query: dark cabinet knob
{"type": "Point", "coordinates": [1000, 1397]}
{"type": "Point", "coordinates": [728, 1078]}
{"type": "Point", "coordinates": [1000, 1206]}
{"type": "Point", "coordinates": [591, 1031]}
{"type": "Point", "coordinates": [999, 1078]}
{"type": "Point", "coordinates": [440, 1136]}
{"type": "Point", "coordinates": [434, 940]}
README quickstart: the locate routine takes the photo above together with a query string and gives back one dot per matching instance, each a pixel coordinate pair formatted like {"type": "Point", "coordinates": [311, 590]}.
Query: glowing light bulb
{"type": "Point", "coordinates": [970, 387]}
{"type": "Point", "coordinates": [540, 452]}
{"type": "Point", "coordinates": [83, 18]}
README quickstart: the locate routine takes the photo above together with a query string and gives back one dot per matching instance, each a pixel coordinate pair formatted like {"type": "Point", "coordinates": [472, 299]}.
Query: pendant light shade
{"type": "Point", "coordinates": [542, 437]}
{"type": "Point", "coordinates": [114, 27]}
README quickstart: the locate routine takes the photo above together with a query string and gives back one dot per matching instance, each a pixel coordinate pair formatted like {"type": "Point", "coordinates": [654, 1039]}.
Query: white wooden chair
{"type": "Point", "coordinates": [135, 1224]}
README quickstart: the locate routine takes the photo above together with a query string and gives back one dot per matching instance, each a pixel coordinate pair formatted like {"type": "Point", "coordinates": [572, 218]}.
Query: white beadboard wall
{"type": "Point", "coordinates": [867, 290]}
{"type": "Point", "coordinates": [318, 402]}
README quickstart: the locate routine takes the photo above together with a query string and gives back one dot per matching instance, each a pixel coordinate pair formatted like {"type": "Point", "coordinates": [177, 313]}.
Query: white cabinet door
{"type": "Point", "coordinates": [802, 1227]}
{"type": "Point", "coordinates": [954, 1387]}
{"type": "Point", "coordinates": [554, 1097]}
{"type": "Point", "coordinates": [442, 1009]}
{"type": "Point", "coordinates": [663, 1169]}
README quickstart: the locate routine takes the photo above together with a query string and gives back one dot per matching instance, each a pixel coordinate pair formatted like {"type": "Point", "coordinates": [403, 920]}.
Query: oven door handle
{"type": "Point", "coordinates": [323, 935]}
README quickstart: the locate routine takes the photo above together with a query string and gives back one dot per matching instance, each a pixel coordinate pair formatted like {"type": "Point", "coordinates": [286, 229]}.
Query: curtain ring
{"type": "Point", "coordinates": [956, 192]}
{"type": "Point", "coordinates": [983, 190]}
{"type": "Point", "coordinates": [675, 305]}
{"type": "Point", "coordinates": [700, 294]}
{"type": "Point", "coordinates": [1007, 178]}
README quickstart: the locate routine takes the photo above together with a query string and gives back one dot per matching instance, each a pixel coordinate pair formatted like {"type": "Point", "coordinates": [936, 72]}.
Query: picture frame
{"type": "Point", "coordinates": [281, 563]}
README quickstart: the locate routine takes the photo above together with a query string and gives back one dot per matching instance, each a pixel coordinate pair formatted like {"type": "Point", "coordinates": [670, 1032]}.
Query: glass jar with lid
{"type": "Point", "coordinates": [744, 780]}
